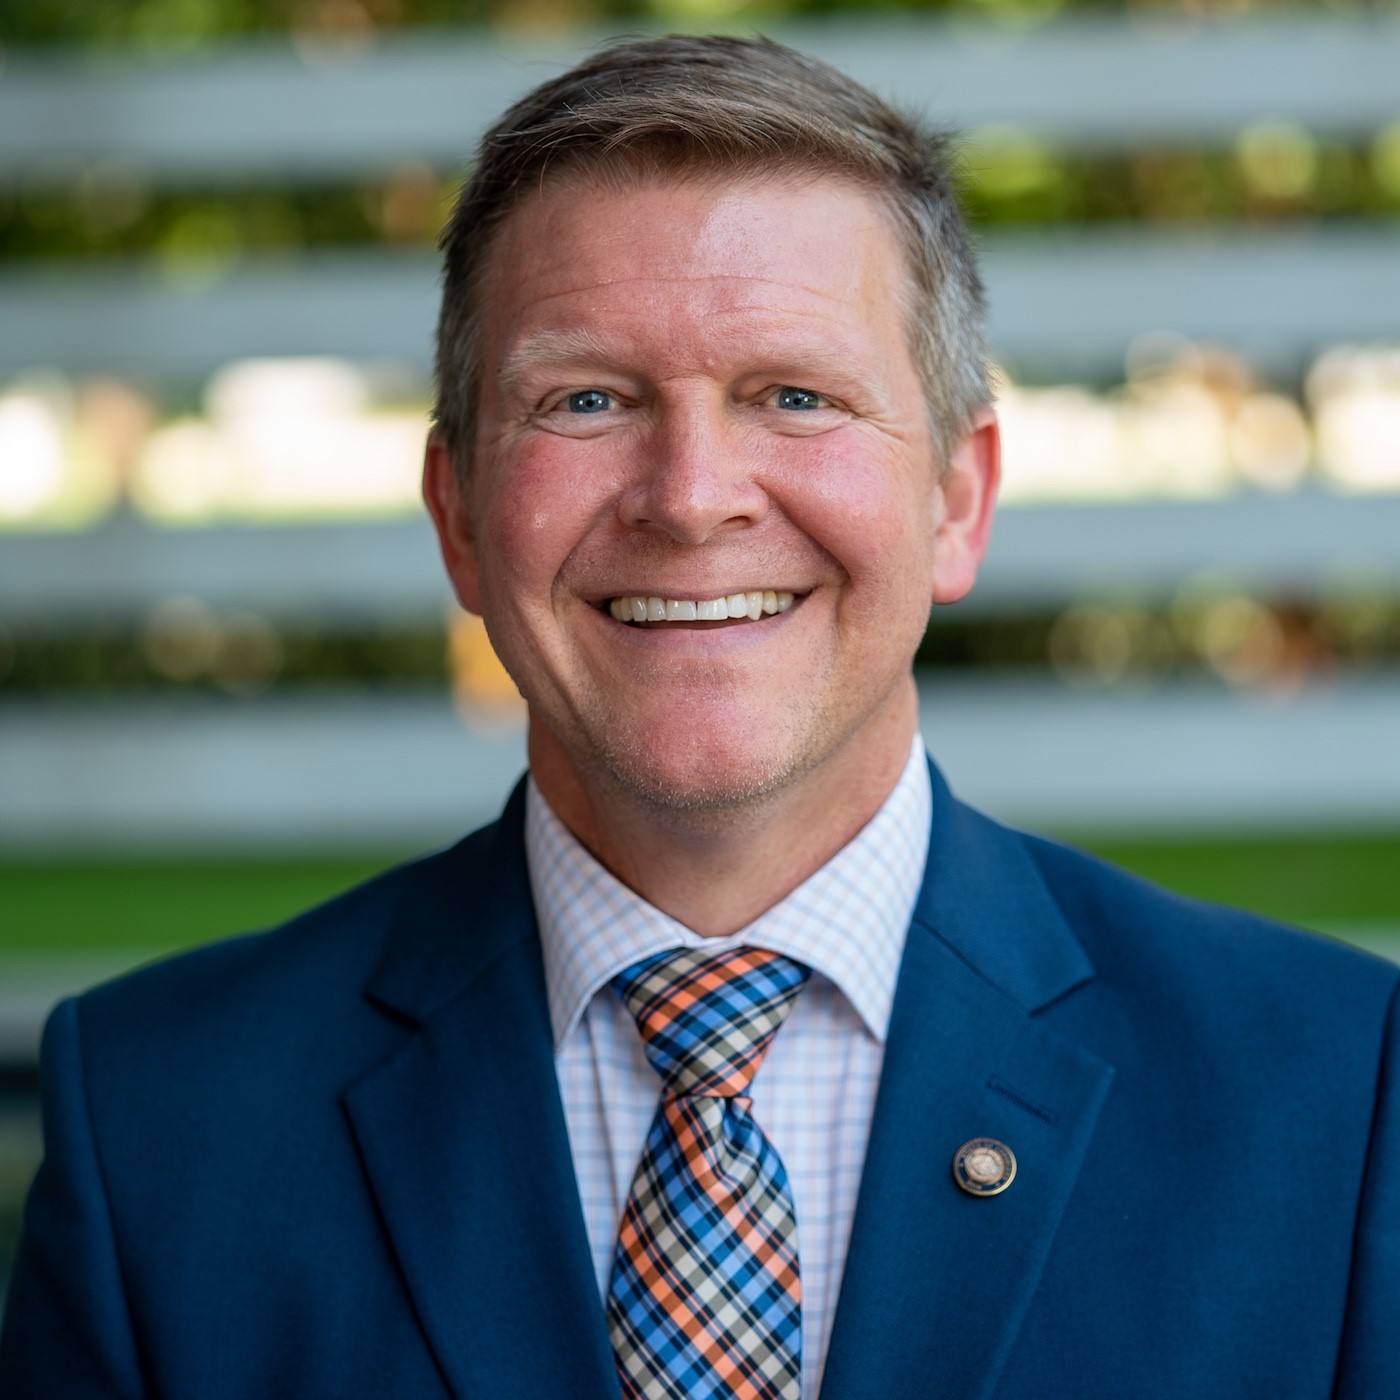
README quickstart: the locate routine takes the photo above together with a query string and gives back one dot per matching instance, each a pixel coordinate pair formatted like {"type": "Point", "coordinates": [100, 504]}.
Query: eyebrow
{"type": "Point", "coordinates": [549, 349]}
{"type": "Point", "coordinates": [555, 349]}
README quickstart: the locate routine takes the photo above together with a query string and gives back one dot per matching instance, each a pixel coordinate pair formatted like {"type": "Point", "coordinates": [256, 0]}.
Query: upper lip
{"type": "Point", "coordinates": [694, 595]}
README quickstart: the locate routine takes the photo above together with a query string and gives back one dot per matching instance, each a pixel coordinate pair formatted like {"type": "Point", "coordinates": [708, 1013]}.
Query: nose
{"type": "Point", "coordinates": [695, 477]}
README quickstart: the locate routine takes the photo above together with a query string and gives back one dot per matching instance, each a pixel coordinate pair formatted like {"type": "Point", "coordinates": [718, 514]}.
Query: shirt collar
{"type": "Point", "coordinates": [847, 921]}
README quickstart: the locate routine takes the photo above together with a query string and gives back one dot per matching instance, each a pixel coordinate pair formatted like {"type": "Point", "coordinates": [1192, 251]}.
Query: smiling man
{"type": "Point", "coordinates": [704, 516]}
{"type": "Point", "coordinates": [737, 1060]}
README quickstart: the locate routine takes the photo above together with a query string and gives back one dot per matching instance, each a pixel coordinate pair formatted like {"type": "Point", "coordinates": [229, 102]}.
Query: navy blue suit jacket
{"type": "Point", "coordinates": [331, 1161]}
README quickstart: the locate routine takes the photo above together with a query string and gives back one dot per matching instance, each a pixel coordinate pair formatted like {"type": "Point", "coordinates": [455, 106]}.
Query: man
{"type": "Point", "coordinates": [588, 1104]}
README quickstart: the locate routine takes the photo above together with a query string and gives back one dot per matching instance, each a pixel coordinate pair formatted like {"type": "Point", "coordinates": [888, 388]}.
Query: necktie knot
{"type": "Point", "coordinates": [707, 1019]}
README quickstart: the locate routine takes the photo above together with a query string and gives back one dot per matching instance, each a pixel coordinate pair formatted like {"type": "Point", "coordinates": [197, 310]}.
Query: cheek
{"type": "Point", "coordinates": [543, 502]}
{"type": "Point", "coordinates": [868, 506]}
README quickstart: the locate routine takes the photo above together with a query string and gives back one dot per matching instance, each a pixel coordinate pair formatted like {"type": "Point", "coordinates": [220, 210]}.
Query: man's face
{"type": "Point", "coordinates": [694, 390]}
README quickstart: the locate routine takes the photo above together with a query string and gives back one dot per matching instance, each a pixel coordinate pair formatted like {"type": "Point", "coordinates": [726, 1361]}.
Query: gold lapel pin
{"type": "Point", "coordinates": [984, 1167]}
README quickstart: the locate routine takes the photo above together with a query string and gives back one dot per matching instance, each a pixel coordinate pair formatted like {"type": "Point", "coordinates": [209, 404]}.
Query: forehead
{"type": "Point", "coordinates": [584, 252]}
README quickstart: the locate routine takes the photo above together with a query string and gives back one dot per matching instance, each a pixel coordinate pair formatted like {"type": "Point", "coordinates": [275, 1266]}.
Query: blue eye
{"type": "Point", "coordinates": [589, 401]}
{"type": "Point", "coordinates": [789, 397]}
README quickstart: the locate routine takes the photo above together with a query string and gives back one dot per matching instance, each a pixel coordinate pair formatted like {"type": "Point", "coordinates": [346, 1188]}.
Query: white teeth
{"type": "Point", "coordinates": [750, 605]}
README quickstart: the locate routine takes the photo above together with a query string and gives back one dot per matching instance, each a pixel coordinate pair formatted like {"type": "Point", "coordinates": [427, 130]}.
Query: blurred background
{"type": "Point", "coordinates": [231, 681]}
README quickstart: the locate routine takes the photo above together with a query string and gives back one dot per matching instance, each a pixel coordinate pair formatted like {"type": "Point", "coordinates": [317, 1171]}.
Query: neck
{"type": "Point", "coordinates": [716, 870]}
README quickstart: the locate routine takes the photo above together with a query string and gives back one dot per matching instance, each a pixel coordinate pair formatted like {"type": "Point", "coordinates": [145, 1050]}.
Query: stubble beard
{"type": "Point", "coordinates": [804, 738]}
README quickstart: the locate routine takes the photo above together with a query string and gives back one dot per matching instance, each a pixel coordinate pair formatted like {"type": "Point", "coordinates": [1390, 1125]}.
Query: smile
{"type": "Point", "coordinates": [750, 606]}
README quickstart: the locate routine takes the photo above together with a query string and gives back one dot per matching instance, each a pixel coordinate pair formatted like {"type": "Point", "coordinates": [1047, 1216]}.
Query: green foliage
{"type": "Point", "coordinates": [1011, 179]}
{"type": "Point", "coordinates": [188, 24]}
{"type": "Point", "coordinates": [111, 212]}
{"type": "Point", "coordinates": [1008, 180]}
{"type": "Point", "coordinates": [95, 664]}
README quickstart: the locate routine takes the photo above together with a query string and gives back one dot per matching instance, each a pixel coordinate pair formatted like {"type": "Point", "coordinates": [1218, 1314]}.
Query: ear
{"type": "Point", "coordinates": [445, 498]}
{"type": "Point", "coordinates": [968, 494]}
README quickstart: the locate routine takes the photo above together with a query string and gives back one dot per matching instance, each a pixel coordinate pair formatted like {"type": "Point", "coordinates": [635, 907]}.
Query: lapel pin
{"type": "Point", "coordinates": [984, 1167]}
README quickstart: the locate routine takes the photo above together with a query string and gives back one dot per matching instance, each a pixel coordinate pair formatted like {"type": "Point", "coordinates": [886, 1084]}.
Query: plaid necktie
{"type": "Point", "coordinates": [705, 1299]}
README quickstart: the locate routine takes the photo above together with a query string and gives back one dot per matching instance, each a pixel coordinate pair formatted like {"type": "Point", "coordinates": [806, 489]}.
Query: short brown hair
{"type": "Point", "coordinates": [684, 105]}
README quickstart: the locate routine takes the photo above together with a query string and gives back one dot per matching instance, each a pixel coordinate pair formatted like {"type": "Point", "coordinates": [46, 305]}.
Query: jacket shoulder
{"type": "Point", "coordinates": [1100, 892]}
{"type": "Point", "coordinates": [241, 1001]}
{"type": "Point", "coordinates": [1196, 965]}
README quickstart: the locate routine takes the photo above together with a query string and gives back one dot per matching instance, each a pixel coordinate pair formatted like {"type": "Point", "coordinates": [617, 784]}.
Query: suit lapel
{"type": "Point", "coordinates": [937, 1281]}
{"type": "Point", "coordinates": [463, 1139]}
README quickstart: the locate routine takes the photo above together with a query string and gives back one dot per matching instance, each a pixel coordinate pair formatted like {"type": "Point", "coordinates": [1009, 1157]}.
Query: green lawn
{"type": "Point", "coordinates": [157, 906]}
{"type": "Point", "coordinates": [1318, 881]}
{"type": "Point", "coordinates": [1325, 880]}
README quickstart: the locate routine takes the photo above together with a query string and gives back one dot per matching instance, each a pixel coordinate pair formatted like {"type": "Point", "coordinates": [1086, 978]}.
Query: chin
{"type": "Point", "coordinates": [702, 778]}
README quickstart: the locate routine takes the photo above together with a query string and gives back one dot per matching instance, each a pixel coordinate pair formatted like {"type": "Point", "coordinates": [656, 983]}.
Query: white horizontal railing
{"type": "Point", "coordinates": [1067, 303]}
{"type": "Point", "coordinates": [1042, 557]}
{"type": "Point", "coordinates": [276, 109]}
{"type": "Point", "coordinates": [348, 770]}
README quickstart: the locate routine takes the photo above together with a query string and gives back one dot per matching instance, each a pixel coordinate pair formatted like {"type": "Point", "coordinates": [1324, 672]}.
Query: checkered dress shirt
{"type": "Point", "coordinates": [815, 1093]}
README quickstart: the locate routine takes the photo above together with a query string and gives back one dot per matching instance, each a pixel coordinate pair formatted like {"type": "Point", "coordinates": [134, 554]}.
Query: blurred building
{"type": "Point", "coordinates": [217, 287]}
